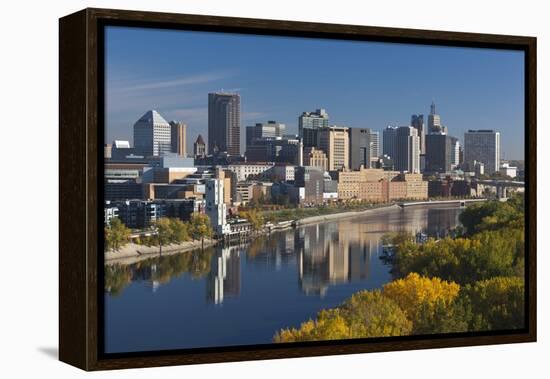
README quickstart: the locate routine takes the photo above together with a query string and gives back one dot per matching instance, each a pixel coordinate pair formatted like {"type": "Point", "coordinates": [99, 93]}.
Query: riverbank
{"type": "Point", "coordinates": [132, 253]}
{"type": "Point", "coordinates": [340, 215]}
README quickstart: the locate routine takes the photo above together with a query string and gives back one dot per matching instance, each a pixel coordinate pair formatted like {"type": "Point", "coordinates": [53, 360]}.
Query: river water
{"type": "Point", "coordinates": [242, 295]}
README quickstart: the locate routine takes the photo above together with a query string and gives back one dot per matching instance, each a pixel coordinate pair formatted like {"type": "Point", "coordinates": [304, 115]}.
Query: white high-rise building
{"type": "Point", "coordinates": [216, 209]}
{"type": "Point", "coordinates": [407, 150]}
{"type": "Point", "coordinates": [455, 154]}
{"type": "Point", "coordinates": [482, 146]}
{"type": "Point", "coordinates": [375, 144]}
{"type": "Point", "coordinates": [152, 135]}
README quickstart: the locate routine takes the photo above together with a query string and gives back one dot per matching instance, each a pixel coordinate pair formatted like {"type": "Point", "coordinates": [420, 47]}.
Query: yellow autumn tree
{"type": "Point", "coordinates": [329, 325]}
{"type": "Point", "coordinates": [421, 297]}
{"type": "Point", "coordinates": [371, 314]}
{"type": "Point", "coordinates": [366, 314]}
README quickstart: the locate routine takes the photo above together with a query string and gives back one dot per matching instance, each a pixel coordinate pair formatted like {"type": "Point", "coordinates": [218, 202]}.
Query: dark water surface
{"type": "Point", "coordinates": [243, 295]}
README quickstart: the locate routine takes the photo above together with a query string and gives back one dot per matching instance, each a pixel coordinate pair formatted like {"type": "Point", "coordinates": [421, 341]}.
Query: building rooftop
{"type": "Point", "coordinates": [119, 144]}
{"type": "Point", "coordinates": [200, 140]}
{"type": "Point", "coordinates": [153, 117]}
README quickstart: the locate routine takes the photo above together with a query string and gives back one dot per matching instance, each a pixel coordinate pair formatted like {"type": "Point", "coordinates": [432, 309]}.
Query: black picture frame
{"type": "Point", "coordinates": [81, 186]}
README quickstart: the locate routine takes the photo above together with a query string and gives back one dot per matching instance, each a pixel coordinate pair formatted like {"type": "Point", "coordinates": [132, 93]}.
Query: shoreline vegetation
{"type": "Point", "coordinates": [165, 236]}
{"type": "Point", "coordinates": [123, 252]}
{"type": "Point", "coordinates": [472, 282]}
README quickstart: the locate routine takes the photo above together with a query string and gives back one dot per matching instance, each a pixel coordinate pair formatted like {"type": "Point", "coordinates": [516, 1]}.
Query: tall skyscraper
{"type": "Point", "coordinates": [311, 121]}
{"type": "Point", "coordinates": [375, 144]}
{"type": "Point", "coordinates": [224, 123]}
{"type": "Point", "coordinates": [417, 122]}
{"type": "Point", "coordinates": [360, 148]}
{"type": "Point", "coordinates": [455, 153]}
{"type": "Point", "coordinates": [152, 135]}
{"type": "Point", "coordinates": [434, 121]}
{"type": "Point", "coordinates": [439, 153]}
{"type": "Point", "coordinates": [179, 138]}
{"type": "Point", "coordinates": [389, 141]}
{"type": "Point", "coordinates": [334, 141]}
{"type": "Point", "coordinates": [317, 119]}
{"type": "Point", "coordinates": [199, 147]}
{"type": "Point", "coordinates": [482, 146]}
{"type": "Point", "coordinates": [407, 150]}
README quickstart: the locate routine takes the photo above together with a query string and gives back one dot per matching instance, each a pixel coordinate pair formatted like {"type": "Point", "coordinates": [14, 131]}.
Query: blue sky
{"type": "Point", "coordinates": [360, 84]}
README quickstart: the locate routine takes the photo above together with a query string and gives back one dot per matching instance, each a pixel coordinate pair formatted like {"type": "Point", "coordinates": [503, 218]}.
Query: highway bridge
{"type": "Point", "coordinates": [501, 186]}
{"type": "Point", "coordinates": [461, 202]}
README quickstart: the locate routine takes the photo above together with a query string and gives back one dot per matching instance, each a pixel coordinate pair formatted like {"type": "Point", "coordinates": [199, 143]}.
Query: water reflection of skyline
{"type": "Point", "coordinates": [243, 294]}
{"type": "Point", "coordinates": [323, 255]}
{"type": "Point", "coordinates": [224, 278]}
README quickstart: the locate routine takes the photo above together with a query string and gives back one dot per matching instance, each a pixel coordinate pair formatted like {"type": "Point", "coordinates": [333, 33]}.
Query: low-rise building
{"type": "Point", "coordinates": [350, 183]}
{"type": "Point", "coordinates": [121, 189]}
{"type": "Point", "coordinates": [249, 191]}
{"type": "Point", "coordinates": [416, 187]}
{"type": "Point", "coordinates": [282, 173]}
{"type": "Point", "coordinates": [139, 213]}
{"type": "Point", "coordinates": [330, 188]}
{"type": "Point", "coordinates": [507, 170]}
{"type": "Point", "coordinates": [377, 185]}
{"type": "Point", "coordinates": [312, 180]}
{"type": "Point", "coordinates": [153, 191]}
{"type": "Point", "coordinates": [244, 192]}
{"type": "Point", "coordinates": [245, 170]}
{"type": "Point", "coordinates": [239, 227]}
{"type": "Point", "coordinates": [446, 187]}
{"type": "Point", "coordinates": [110, 211]}
{"type": "Point", "coordinates": [261, 191]}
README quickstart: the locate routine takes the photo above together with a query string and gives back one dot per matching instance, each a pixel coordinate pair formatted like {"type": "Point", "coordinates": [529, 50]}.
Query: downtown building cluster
{"type": "Point", "coordinates": [156, 177]}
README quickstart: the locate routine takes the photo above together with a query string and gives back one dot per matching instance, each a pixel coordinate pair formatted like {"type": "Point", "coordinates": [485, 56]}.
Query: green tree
{"type": "Point", "coordinates": [179, 230]}
{"type": "Point", "coordinates": [200, 227]}
{"type": "Point", "coordinates": [254, 217]}
{"type": "Point", "coordinates": [494, 215]}
{"type": "Point", "coordinates": [443, 317]}
{"type": "Point", "coordinates": [163, 231]}
{"type": "Point", "coordinates": [371, 314]}
{"type": "Point", "coordinates": [464, 260]}
{"type": "Point", "coordinates": [396, 238]}
{"type": "Point", "coordinates": [496, 304]}
{"type": "Point", "coordinates": [116, 234]}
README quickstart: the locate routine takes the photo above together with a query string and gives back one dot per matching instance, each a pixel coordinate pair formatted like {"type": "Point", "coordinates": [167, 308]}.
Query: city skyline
{"type": "Point", "coordinates": [472, 88]}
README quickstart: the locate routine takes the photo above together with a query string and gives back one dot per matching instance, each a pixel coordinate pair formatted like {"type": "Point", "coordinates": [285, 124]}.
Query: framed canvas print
{"type": "Point", "coordinates": [239, 189]}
